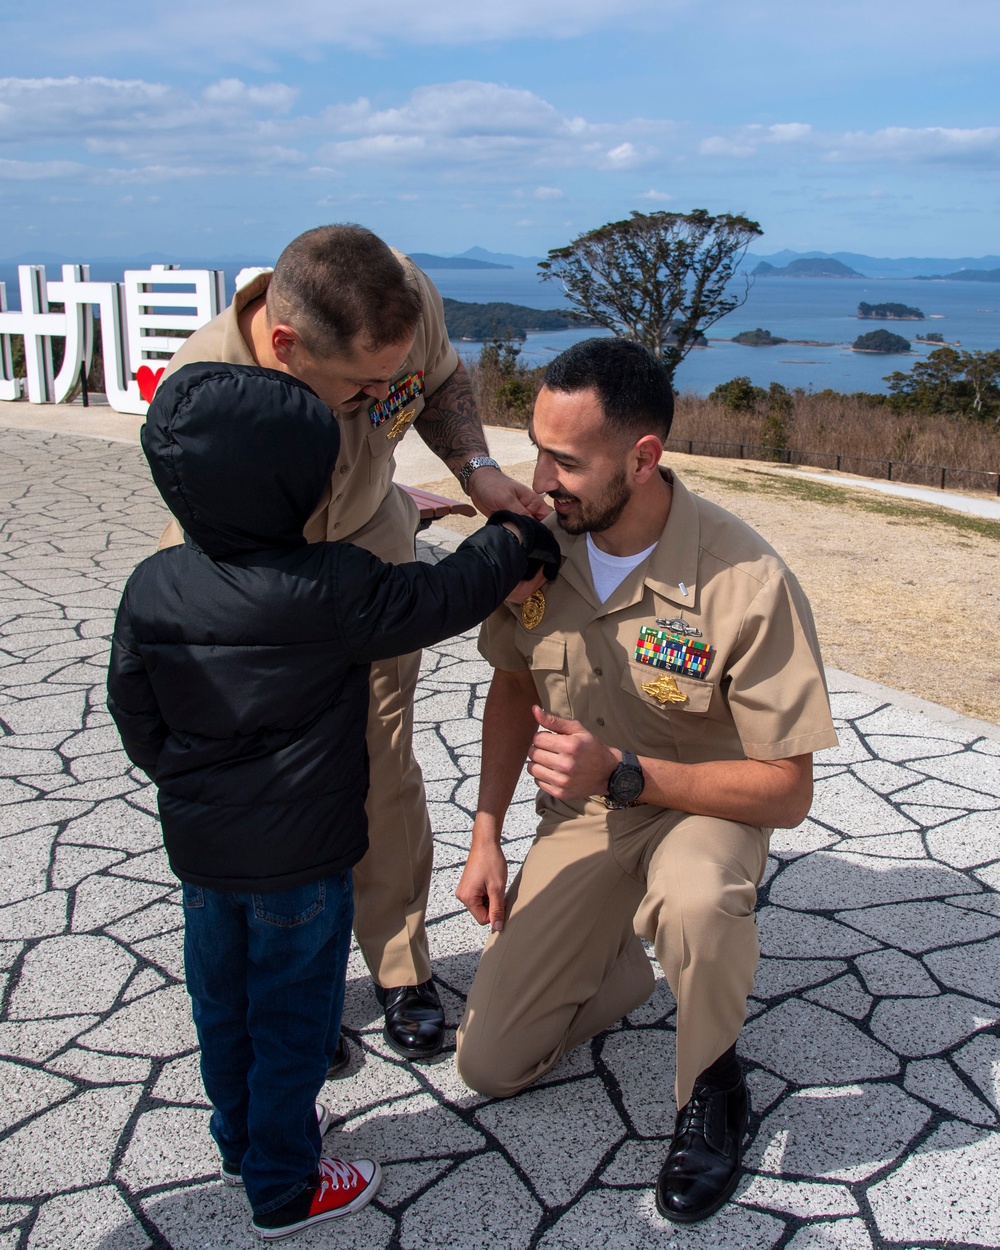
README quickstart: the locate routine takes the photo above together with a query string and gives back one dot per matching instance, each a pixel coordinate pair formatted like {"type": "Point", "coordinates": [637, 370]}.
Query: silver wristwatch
{"type": "Point", "coordinates": [470, 466]}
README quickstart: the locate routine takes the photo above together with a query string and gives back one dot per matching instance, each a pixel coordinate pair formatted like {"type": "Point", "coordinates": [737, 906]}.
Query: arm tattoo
{"type": "Point", "coordinates": [450, 424]}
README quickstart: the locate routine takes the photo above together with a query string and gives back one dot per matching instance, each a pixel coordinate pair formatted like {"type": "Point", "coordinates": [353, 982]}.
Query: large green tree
{"type": "Point", "coordinates": [660, 279]}
{"type": "Point", "coordinates": [950, 381]}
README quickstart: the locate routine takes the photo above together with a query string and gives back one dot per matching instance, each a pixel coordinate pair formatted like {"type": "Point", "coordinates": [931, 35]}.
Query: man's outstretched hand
{"type": "Point", "coordinates": [491, 490]}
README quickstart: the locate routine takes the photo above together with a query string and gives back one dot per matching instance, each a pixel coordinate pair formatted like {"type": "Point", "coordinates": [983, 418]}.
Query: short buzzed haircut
{"type": "Point", "coordinates": [634, 388]}
{"type": "Point", "coordinates": [335, 284]}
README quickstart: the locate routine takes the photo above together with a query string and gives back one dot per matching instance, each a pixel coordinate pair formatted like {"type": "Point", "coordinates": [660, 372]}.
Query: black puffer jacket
{"type": "Point", "coordinates": [240, 660]}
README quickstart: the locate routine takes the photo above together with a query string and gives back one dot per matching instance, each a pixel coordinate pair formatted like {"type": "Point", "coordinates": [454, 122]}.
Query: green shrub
{"type": "Point", "coordinates": [739, 394]}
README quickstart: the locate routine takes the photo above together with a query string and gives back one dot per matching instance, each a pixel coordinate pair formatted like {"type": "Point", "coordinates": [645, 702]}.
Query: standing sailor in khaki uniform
{"type": "Point", "coordinates": [365, 329]}
{"type": "Point", "coordinates": [681, 695]}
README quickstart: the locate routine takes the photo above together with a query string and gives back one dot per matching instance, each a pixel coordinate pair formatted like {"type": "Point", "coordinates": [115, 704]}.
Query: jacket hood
{"type": "Point", "coordinates": [241, 455]}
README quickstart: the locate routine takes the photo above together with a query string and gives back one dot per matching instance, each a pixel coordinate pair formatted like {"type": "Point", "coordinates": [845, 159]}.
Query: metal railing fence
{"type": "Point", "coordinates": [937, 475]}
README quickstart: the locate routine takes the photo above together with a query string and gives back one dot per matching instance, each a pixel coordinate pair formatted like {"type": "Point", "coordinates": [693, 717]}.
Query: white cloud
{"type": "Point", "coordinates": [135, 130]}
{"type": "Point", "coordinates": [789, 132]}
{"type": "Point", "coordinates": [498, 129]}
{"type": "Point", "coordinates": [853, 197]}
{"type": "Point", "coordinates": [255, 32]}
{"type": "Point", "coordinates": [272, 95]}
{"type": "Point", "coordinates": [926, 145]}
{"type": "Point", "coordinates": [117, 131]}
{"type": "Point", "coordinates": [719, 145]}
{"type": "Point", "coordinates": [244, 29]}
{"type": "Point", "coordinates": [54, 108]}
{"type": "Point", "coordinates": [455, 109]}
{"type": "Point", "coordinates": [623, 154]}
{"type": "Point", "coordinates": [31, 171]}
{"type": "Point", "coordinates": [155, 173]}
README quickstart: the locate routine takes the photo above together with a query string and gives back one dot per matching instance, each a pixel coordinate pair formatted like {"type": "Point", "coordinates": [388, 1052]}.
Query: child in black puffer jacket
{"type": "Point", "coordinates": [239, 683]}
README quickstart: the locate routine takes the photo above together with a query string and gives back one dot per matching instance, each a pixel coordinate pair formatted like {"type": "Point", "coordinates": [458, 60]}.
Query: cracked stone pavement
{"type": "Point", "coordinates": [872, 1048]}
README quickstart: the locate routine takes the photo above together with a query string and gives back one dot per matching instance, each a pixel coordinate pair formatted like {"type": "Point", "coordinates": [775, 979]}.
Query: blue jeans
{"type": "Point", "coordinates": [266, 975]}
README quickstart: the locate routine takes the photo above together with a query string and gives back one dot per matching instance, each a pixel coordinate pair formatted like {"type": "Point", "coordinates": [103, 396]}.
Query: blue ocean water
{"type": "Point", "coordinates": [824, 309]}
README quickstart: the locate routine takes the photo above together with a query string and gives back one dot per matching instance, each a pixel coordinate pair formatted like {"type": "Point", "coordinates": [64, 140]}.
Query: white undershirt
{"type": "Point", "coordinates": [608, 572]}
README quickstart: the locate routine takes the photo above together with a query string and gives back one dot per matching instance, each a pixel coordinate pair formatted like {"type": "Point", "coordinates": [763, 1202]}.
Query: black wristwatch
{"type": "Point", "coordinates": [626, 783]}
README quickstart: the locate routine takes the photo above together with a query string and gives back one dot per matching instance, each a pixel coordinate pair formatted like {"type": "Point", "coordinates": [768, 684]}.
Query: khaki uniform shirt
{"type": "Point", "coordinates": [365, 466]}
{"type": "Point", "coordinates": [763, 693]}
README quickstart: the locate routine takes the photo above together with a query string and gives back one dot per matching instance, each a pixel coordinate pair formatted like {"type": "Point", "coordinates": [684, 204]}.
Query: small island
{"type": "Point", "coordinates": [882, 342]}
{"type": "Point", "coordinates": [931, 337]}
{"type": "Point", "coordinates": [758, 338]}
{"type": "Point", "coordinates": [481, 322]}
{"type": "Point", "coordinates": [889, 312]}
{"type": "Point", "coordinates": [807, 267]}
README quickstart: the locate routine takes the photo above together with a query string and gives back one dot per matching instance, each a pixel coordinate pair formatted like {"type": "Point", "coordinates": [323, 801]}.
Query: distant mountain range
{"type": "Point", "coordinates": [778, 264]}
{"type": "Point", "coordinates": [428, 261]}
{"type": "Point", "coordinates": [503, 258]}
{"type": "Point", "coordinates": [105, 267]}
{"type": "Point", "coordinates": [887, 267]}
{"type": "Point", "coordinates": [475, 258]}
{"type": "Point", "coordinates": [967, 275]}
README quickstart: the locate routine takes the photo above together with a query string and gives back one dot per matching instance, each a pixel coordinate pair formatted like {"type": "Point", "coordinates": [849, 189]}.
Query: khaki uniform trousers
{"type": "Point", "coordinates": [569, 961]}
{"type": "Point", "coordinates": [392, 881]}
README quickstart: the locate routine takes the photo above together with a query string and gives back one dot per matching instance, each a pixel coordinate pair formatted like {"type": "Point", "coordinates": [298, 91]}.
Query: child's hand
{"type": "Point", "coordinates": [523, 589]}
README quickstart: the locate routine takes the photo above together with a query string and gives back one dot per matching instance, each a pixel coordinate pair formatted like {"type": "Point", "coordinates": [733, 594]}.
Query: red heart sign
{"type": "Point", "coordinates": [148, 380]}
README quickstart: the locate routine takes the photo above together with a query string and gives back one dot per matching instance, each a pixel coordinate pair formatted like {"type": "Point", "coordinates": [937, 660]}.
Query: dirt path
{"type": "Point", "coordinates": [905, 593]}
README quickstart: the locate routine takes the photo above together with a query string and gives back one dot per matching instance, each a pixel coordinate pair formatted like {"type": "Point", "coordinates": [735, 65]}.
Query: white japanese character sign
{"type": "Point", "coordinates": [144, 320]}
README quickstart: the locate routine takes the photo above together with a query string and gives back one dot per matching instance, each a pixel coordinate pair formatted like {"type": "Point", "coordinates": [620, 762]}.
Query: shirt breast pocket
{"type": "Point", "coordinates": [383, 439]}
{"type": "Point", "coordinates": [666, 708]}
{"type": "Point", "coordinates": [546, 658]}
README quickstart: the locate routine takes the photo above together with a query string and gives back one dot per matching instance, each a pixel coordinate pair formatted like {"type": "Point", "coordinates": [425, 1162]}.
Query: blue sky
{"type": "Point", "coordinates": [201, 129]}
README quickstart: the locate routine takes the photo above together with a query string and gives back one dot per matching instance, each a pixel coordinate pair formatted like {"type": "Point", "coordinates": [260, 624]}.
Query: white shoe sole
{"type": "Point", "coordinates": [362, 1200]}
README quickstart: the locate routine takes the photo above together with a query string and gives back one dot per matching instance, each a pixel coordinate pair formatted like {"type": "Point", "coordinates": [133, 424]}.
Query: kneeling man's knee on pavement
{"type": "Point", "coordinates": [701, 884]}
{"type": "Point", "coordinates": [491, 1070]}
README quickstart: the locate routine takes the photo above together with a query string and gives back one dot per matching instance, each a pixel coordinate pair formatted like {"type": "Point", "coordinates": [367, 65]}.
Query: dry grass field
{"type": "Point", "coordinates": [853, 427]}
{"type": "Point", "coordinates": [828, 423]}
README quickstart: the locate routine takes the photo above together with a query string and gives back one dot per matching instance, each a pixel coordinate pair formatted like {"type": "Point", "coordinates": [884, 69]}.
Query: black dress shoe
{"type": "Point", "coordinates": [341, 1060]}
{"type": "Point", "coordinates": [703, 1164]}
{"type": "Point", "coordinates": [414, 1019]}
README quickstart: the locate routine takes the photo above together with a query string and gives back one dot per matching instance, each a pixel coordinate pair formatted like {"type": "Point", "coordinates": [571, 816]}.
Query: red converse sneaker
{"type": "Point", "coordinates": [337, 1188]}
{"type": "Point", "coordinates": [230, 1172]}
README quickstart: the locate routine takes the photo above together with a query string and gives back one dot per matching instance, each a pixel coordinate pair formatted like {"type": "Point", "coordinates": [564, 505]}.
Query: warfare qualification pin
{"type": "Point", "coordinates": [664, 690]}
{"type": "Point", "coordinates": [401, 422]}
{"type": "Point", "coordinates": [533, 609]}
